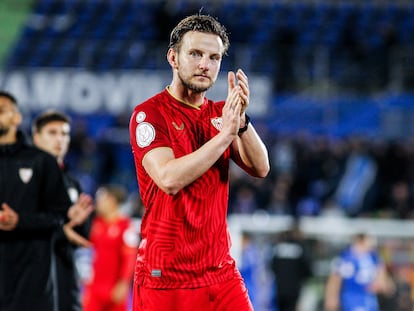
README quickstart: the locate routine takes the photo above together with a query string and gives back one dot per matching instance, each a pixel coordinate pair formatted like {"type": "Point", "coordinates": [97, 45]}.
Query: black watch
{"type": "Point", "coordinates": [246, 124]}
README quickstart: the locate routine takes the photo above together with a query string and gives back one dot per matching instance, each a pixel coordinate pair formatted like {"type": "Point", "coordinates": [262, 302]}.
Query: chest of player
{"type": "Point", "coordinates": [189, 131]}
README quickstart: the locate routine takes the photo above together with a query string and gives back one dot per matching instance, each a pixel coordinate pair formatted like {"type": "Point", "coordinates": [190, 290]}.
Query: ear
{"type": "Point", "coordinates": [17, 117]}
{"type": "Point", "coordinates": [35, 138]}
{"type": "Point", "coordinates": [172, 58]}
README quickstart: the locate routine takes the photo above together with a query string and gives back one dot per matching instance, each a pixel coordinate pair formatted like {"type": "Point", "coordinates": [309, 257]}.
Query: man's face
{"type": "Point", "coordinates": [105, 203]}
{"type": "Point", "coordinates": [54, 138]}
{"type": "Point", "coordinates": [9, 116]}
{"type": "Point", "coordinates": [199, 60]}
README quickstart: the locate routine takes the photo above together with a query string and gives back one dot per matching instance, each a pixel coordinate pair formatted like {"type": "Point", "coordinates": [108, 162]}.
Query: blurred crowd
{"type": "Point", "coordinates": [316, 175]}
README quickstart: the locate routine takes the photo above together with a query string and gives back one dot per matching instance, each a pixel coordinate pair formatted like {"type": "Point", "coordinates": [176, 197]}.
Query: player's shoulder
{"type": "Point", "coordinates": [152, 102]}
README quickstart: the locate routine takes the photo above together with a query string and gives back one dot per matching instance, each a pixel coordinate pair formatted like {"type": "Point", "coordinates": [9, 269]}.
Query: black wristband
{"type": "Point", "coordinates": [246, 124]}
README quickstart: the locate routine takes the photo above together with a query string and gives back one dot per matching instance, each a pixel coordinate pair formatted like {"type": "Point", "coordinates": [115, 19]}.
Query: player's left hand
{"type": "Point", "coordinates": [243, 82]}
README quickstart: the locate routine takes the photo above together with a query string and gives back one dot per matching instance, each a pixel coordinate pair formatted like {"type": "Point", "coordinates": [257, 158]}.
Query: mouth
{"type": "Point", "coordinates": [201, 76]}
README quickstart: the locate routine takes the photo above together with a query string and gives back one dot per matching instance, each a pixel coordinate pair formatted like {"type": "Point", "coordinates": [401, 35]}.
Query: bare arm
{"type": "Point", "coordinates": [383, 283]}
{"type": "Point", "coordinates": [250, 153]}
{"type": "Point", "coordinates": [172, 174]}
{"type": "Point", "coordinates": [333, 286]}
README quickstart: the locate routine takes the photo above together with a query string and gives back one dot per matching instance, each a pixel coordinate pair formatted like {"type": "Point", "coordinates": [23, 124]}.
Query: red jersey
{"type": "Point", "coordinates": [185, 241]}
{"type": "Point", "coordinates": [115, 247]}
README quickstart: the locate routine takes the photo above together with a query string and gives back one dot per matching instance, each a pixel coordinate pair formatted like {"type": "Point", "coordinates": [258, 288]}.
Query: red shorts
{"type": "Point", "coordinates": [228, 296]}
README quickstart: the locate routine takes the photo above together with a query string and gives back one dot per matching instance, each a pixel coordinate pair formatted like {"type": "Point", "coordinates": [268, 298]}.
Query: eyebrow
{"type": "Point", "coordinates": [203, 52]}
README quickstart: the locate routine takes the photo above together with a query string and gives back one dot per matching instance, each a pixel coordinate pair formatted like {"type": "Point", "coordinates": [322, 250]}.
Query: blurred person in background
{"type": "Point", "coordinates": [51, 133]}
{"type": "Point", "coordinates": [114, 241]}
{"type": "Point", "coordinates": [292, 267]}
{"type": "Point", "coordinates": [182, 144]}
{"type": "Point", "coordinates": [250, 268]}
{"type": "Point", "coordinates": [354, 193]}
{"type": "Point", "coordinates": [34, 205]}
{"type": "Point", "coordinates": [358, 276]}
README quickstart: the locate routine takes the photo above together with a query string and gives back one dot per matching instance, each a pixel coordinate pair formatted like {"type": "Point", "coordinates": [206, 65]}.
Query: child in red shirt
{"type": "Point", "coordinates": [115, 241]}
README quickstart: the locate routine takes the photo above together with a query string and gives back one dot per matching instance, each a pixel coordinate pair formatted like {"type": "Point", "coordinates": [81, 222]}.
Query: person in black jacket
{"type": "Point", "coordinates": [51, 133]}
{"type": "Point", "coordinates": [291, 265]}
{"type": "Point", "coordinates": [33, 204]}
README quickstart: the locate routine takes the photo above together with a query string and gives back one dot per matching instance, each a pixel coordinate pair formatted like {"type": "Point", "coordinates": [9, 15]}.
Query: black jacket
{"type": "Point", "coordinates": [67, 275]}
{"type": "Point", "coordinates": [32, 184]}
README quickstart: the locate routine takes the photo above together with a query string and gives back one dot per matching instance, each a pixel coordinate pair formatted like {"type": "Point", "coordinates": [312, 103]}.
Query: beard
{"type": "Point", "coordinates": [4, 131]}
{"type": "Point", "coordinates": [192, 86]}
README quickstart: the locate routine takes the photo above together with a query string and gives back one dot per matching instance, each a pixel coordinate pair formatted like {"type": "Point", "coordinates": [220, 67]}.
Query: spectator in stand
{"type": "Point", "coordinates": [114, 241]}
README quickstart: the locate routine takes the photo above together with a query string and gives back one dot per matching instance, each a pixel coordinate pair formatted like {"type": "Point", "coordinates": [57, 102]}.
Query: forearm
{"type": "Point", "coordinates": [41, 221]}
{"type": "Point", "coordinates": [332, 289]}
{"type": "Point", "coordinates": [251, 154]}
{"type": "Point", "coordinates": [173, 174]}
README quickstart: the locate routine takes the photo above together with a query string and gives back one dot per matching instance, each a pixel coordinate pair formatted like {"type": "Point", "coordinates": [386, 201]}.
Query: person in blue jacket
{"type": "Point", "coordinates": [358, 275]}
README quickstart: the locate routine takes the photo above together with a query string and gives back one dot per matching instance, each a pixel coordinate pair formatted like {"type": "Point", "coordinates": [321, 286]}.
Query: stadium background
{"type": "Point", "coordinates": [327, 77]}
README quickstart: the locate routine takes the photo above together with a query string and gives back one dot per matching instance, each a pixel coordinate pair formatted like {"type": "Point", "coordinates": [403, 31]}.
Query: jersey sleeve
{"type": "Point", "coordinates": [130, 240]}
{"type": "Point", "coordinates": [148, 129]}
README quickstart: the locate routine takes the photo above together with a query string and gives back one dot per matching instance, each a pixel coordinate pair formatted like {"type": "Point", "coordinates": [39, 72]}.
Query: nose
{"type": "Point", "coordinates": [204, 63]}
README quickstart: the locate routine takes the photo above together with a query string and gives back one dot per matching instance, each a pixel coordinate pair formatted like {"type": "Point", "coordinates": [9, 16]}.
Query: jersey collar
{"type": "Point", "coordinates": [182, 101]}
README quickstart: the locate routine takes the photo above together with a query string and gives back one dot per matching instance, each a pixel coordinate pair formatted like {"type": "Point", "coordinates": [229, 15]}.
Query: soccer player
{"type": "Point", "coordinates": [114, 242]}
{"type": "Point", "coordinates": [33, 205]}
{"type": "Point", "coordinates": [51, 133]}
{"type": "Point", "coordinates": [182, 144]}
{"type": "Point", "coordinates": [357, 277]}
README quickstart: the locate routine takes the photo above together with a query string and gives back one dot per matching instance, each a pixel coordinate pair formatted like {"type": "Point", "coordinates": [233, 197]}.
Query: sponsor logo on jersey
{"type": "Point", "coordinates": [156, 273]}
{"type": "Point", "coordinates": [178, 128]}
{"type": "Point", "coordinates": [25, 174]}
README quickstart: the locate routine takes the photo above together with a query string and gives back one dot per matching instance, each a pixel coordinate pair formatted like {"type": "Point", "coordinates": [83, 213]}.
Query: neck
{"type": "Point", "coordinates": [9, 138]}
{"type": "Point", "coordinates": [185, 95]}
{"type": "Point", "coordinates": [111, 216]}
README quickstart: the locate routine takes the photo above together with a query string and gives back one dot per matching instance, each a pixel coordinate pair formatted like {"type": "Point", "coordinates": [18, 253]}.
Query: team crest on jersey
{"type": "Point", "coordinates": [25, 174]}
{"type": "Point", "coordinates": [73, 194]}
{"type": "Point", "coordinates": [217, 123]}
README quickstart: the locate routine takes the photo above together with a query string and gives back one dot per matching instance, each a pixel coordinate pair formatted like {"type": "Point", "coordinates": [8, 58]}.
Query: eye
{"type": "Point", "coordinates": [215, 58]}
{"type": "Point", "coordinates": [195, 54]}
